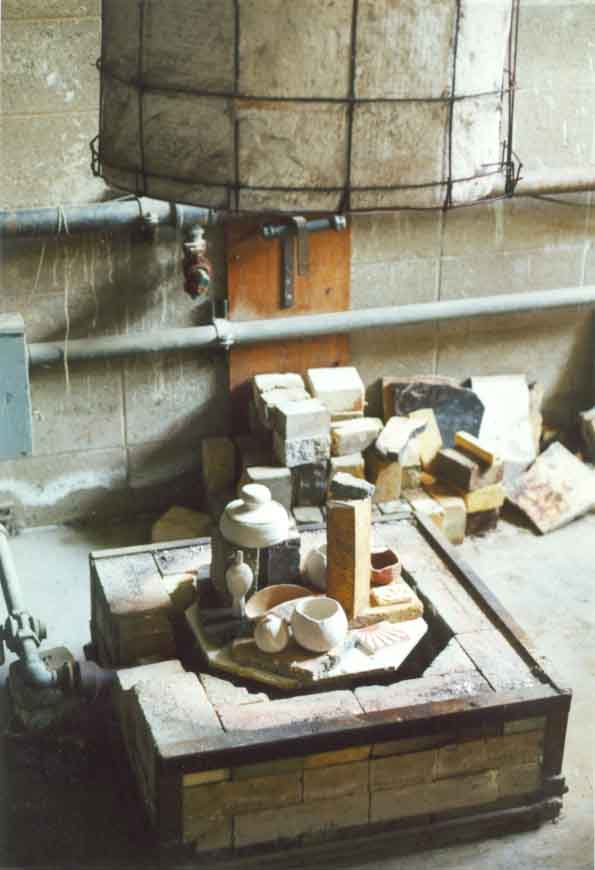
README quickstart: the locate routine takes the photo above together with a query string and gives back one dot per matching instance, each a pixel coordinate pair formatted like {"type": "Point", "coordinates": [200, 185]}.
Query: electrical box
{"type": "Point", "coordinates": [15, 399]}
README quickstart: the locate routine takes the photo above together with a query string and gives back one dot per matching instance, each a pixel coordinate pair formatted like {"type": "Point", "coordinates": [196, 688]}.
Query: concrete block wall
{"type": "Point", "coordinates": [117, 436]}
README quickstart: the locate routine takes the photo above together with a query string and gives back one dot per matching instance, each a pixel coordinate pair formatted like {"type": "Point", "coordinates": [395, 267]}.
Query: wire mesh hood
{"type": "Point", "coordinates": [316, 105]}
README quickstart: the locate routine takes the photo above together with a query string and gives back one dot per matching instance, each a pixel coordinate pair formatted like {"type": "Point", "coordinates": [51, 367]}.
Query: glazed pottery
{"type": "Point", "coordinates": [254, 520]}
{"type": "Point", "coordinates": [239, 579]}
{"type": "Point", "coordinates": [319, 623]}
{"type": "Point", "coordinates": [316, 567]}
{"type": "Point", "coordinates": [274, 598]}
{"type": "Point", "coordinates": [271, 634]}
{"type": "Point", "coordinates": [386, 567]}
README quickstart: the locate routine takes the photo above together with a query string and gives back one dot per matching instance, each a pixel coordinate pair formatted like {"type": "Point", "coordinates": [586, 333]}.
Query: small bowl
{"type": "Point", "coordinates": [272, 597]}
{"type": "Point", "coordinates": [385, 567]}
{"type": "Point", "coordinates": [319, 623]}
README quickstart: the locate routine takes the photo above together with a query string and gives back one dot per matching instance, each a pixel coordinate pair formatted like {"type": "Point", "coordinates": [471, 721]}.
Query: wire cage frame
{"type": "Point", "coordinates": [323, 106]}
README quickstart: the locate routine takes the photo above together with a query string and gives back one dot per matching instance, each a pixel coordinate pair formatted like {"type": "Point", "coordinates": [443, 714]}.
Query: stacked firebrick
{"type": "Point", "coordinates": [307, 432]}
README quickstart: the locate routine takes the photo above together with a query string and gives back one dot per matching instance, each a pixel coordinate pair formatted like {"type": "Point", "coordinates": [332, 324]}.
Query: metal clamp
{"type": "Point", "coordinates": [225, 337]}
{"type": "Point", "coordinates": [292, 233]}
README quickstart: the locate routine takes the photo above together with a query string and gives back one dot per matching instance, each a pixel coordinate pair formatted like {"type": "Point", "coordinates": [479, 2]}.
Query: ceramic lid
{"type": "Point", "coordinates": [254, 520]}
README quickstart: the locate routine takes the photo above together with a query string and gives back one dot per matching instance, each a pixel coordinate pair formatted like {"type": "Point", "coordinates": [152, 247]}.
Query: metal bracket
{"type": "Point", "coordinates": [292, 233]}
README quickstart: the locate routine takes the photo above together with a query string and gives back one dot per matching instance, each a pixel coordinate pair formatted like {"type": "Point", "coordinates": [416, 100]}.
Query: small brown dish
{"type": "Point", "coordinates": [386, 567]}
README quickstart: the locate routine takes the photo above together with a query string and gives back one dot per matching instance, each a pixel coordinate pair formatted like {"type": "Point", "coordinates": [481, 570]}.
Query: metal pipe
{"type": "Point", "coordinates": [224, 333]}
{"type": "Point", "coordinates": [22, 634]}
{"type": "Point", "coordinates": [115, 214]}
{"type": "Point", "coordinates": [9, 579]}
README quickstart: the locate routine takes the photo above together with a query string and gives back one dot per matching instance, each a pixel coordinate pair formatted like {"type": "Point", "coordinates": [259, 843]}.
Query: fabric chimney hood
{"type": "Point", "coordinates": [315, 105]}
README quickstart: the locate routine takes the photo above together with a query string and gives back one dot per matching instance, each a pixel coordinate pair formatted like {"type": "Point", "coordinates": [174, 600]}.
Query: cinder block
{"type": "Point", "coordinates": [303, 419]}
{"type": "Point", "coordinates": [59, 143]}
{"type": "Point", "coordinates": [218, 458]}
{"type": "Point", "coordinates": [45, 66]}
{"type": "Point", "coordinates": [341, 389]}
{"type": "Point", "coordinates": [79, 417]}
{"type": "Point", "coordinates": [301, 451]}
{"type": "Point", "coordinates": [180, 396]}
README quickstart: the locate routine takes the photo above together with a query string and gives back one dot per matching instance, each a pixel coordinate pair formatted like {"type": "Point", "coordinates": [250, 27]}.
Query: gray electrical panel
{"type": "Point", "coordinates": [15, 399]}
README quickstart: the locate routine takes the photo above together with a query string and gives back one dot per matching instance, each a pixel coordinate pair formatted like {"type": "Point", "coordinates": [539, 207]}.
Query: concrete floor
{"type": "Point", "coordinates": [49, 818]}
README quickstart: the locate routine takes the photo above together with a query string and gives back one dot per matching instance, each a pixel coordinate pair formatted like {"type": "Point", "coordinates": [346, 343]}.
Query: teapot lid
{"type": "Point", "coordinates": [254, 520]}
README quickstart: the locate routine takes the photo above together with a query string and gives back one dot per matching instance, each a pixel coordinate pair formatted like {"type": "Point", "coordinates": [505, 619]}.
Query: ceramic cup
{"type": "Point", "coordinates": [316, 567]}
{"type": "Point", "coordinates": [386, 567]}
{"type": "Point", "coordinates": [319, 623]}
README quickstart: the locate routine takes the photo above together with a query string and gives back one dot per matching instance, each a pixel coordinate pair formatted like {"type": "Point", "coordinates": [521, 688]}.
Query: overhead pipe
{"type": "Point", "coordinates": [97, 217]}
{"type": "Point", "coordinates": [222, 334]}
{"type": "Point", "coordinates": [132, 211]}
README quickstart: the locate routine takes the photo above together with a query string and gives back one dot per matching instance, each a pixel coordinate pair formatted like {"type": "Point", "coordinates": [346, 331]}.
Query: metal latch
{"type": "Point", "coordinates": [294, 233]}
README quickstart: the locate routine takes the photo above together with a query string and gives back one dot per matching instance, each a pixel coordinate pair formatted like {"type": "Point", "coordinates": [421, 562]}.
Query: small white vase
{"type": "Point", "coordinates": [319, 623]}
{"type": "Point", "coordinates": [316, 567]}
{"type": "Point", "coordinates": [271, 634]}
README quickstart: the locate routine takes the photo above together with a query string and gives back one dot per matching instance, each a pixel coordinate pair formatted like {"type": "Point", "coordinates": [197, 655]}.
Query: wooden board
{"type": "Point", "coordinates": [254, 273]}
{"type": "Point", "coordinates": [254, 267]}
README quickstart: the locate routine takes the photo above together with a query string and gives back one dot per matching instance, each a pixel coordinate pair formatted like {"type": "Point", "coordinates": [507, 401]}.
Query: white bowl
{"type": "Point", "coordinates": [319, 623]}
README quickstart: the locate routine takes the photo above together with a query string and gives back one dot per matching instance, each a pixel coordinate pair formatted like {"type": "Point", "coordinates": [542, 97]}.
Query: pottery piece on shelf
{"type": "Point", "coordinates": [394, 593]}
{"type": "Point", "coordinates": [316, 567]}
{"type": "Point", "coordinates": [319, 623]}
{"type": "Point", "coordinates": [254, 520]}
{"type": "Point", "coordinates": [272, 634]}
{"type": "Point", "coordinates": [386, 567]}
{"type": "Point", "coordinates": [373, 638]}
{"type": "Point", "coordinates": [239, 579]}
{"type": "Point", "coordinates": [274, 598]}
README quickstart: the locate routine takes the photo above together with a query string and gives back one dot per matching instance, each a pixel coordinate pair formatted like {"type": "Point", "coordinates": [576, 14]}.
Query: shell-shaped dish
{"type": "Point", "coordinates": [376, 637]}
{"type": "Point", "coordinates": [273, 597]}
